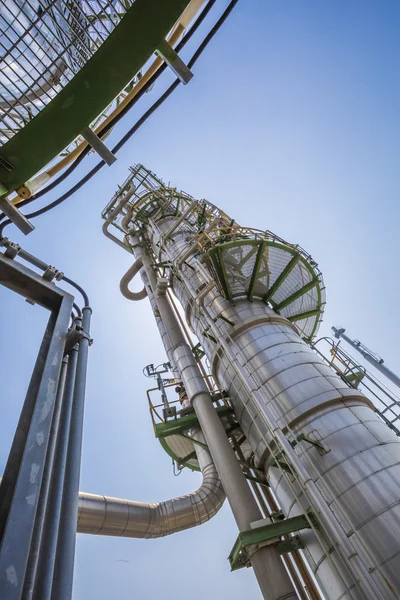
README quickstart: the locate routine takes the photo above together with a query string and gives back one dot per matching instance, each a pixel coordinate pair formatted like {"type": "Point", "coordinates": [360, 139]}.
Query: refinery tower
{"type": "Point", "coordinates": [275, 420]}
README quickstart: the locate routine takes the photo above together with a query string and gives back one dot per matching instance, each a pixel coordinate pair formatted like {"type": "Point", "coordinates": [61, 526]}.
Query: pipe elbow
{"type": "Point", "coordinates": [127, 278]}
{"type": "Point", "coordinates": [103, 515]}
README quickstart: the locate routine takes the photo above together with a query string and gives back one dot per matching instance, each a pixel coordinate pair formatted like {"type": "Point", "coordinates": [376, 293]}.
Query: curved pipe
{"type": "Point", "coordinates": [127, 278]}
{"type": "Point", "coordinates": [104, 515]}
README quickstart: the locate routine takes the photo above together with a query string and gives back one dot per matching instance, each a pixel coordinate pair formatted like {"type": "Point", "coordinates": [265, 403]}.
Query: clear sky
{"type": "Point", "coordinates": [290, 124]}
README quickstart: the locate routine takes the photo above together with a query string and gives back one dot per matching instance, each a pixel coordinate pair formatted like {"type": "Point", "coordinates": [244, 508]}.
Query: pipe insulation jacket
{"type": "Point", "coordinates": [104, 515]}
{"type": "Point", "coordinates": [127, 278]}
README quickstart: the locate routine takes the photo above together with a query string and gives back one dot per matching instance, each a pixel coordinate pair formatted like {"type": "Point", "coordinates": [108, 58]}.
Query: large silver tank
{"type": "Point", "coordinates": [357, 473]}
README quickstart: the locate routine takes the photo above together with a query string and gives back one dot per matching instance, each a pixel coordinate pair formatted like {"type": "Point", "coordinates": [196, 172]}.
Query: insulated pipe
{"type": "Point", "coordinates": [104, 515]}
{"type": "Point", "coordinates": [127, 278]}
{"type": "Point", "coordinates": [271, 575]}
{"type": "Point", "coordinates": [114, 213]}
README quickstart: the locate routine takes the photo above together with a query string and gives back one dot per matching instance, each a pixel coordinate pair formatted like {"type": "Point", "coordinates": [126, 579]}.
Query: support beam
{"type": "Point", "coordinates": [174, 62]}
{"type": "Point", "coordinates": [306, 288]}
{"type": "Point", "coordinates": [16, 216]}
{"type": "Point", "coordinates": [281, 278]}
{"type": "Point", "coordinates": [256, 270]}
{"type": "Point", "coordinates": [305, 315]}
{"type": "Point", "coordinates": [98, 146]}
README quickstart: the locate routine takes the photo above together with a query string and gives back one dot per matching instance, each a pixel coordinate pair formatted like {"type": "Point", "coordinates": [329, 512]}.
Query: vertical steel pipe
{"type": "Point", "coordinates": [48, 549]}
{"type": "Point", "coordinates": [64, 566]}
{"type": "Point", "coordinates": [35, 554]}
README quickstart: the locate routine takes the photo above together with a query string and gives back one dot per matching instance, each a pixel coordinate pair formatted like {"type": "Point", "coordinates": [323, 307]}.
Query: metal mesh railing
{"type": "Point", "coordinates": [385, 400]}
{"type": "Point", "coordinates": [283, 274]}
{"type": "Point", "coordinates": [43, 45]}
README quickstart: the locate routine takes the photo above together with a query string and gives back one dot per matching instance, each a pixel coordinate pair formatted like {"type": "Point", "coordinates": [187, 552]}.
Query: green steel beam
{"type": "Point", "coordinates": [190, 439]}
{"type": "Point", "coordinates": [271, 532]}
{"type": "Point", "coordinates": [182, 424]}
{"type": "Point", "coordinates": [305, 315]}
{"type": "Point", "coordinates": [248, 256]}
{"type": "Point", "coordinates": [224, 275]}
{"type": "Point", "coordinates": [256, 270]}
{"type": "Point", "coordinates": [174, 456]}
{"type": "Point", "coordinates": [297, 294]}
{"type": "Point", "coordinates": [185, 459]}
{"type": "Point", "coordinates": [281, 278]}
{"type": "Point", "coordinates": [215, 256]}
{"type": "Point", "coordinates": [115, 63]}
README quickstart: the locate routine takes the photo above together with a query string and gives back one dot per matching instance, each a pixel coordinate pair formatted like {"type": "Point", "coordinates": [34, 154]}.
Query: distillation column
{"type": "Point", "coordinates": [254, 302]}
{"type": "Point", "coordinates": [268, 567]}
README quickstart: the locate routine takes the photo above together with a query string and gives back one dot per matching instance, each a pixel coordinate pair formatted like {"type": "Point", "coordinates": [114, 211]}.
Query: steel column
{"type": "Point", "coordinates": [15, 546]}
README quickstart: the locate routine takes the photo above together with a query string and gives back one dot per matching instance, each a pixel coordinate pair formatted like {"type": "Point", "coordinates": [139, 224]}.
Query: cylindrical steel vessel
{"type": "Point", "coordinates": [254, 302]}
{"type": "Point", "coordinates": [358, 469]}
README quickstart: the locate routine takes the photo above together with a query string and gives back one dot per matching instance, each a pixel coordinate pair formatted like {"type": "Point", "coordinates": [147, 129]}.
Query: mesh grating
{"type": "Point", "coordinates": [283, 275]}
{"type": "Point", "coordinates": [43, 45]}
{"type": "Point", "coordinates": [181, 448]}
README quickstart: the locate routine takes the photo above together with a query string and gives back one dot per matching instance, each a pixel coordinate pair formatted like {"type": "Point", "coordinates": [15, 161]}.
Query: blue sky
{"type": "Point", "coordinates": [290, 124]}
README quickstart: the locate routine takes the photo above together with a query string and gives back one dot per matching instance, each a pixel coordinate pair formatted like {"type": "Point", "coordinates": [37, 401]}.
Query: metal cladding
{"type": "Point", "coordinates": [103, 515]}
{"type": "Point", "coordinates": [255, 302]}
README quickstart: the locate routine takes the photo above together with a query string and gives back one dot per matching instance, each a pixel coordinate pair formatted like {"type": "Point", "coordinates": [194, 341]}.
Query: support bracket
{"type": "Point", "coordinates": [174, 61]}
{"type": "Point", "coordinates": [75, 334]}
{"type": "Point", "coordinates": [16, 216]}
{"type": "Point", "coordinates": [198, 352]}
{"type": "Point", "coordinates": [98, 146]}
{"type": "Point", "coordinates": [264, 533]}
{"type": "Point", "coordinates": [280, 459]}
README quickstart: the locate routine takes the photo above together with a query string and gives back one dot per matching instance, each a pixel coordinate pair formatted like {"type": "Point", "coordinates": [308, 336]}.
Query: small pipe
{"type": "Point", "coordinates": [32, 259]}
{"type": "Point", "coordinates": [78, 310]}
{"type": "Point", "coordinates": [298, 559]}
{"type": "Point", "coordinates": [79, 288]}
{"type": "Point", "coordinates": [127, 278]}
{"type": "Point", "coordinates": [116, 210]}
{"type": "Point", "coordinates": [199, 299]}
{"type": "Point", "coordinates": [177, 222]}
{"type": "Point", "coordinates": [112, 237]}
